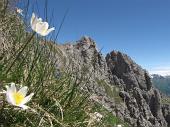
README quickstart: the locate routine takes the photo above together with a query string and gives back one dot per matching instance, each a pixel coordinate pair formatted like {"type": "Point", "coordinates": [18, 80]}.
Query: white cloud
{"type": "Point", "coordinates": [164, 71]}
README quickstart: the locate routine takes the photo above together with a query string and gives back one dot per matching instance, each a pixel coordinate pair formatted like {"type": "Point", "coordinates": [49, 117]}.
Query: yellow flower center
{"type": "Point", "coordinates": [18, 97]}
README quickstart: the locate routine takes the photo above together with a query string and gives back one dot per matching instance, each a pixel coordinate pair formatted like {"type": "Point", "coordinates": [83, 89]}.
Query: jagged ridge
{"type": "Point", "coordinates": [122, 86]}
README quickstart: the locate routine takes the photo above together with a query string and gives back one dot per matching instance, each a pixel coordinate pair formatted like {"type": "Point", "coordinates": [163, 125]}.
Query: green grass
{"type": "Point", "coordinates": [109, 120]}
{"type": "Point", "coordinates": [112, 91]}
{"type": "Point", "coordinates": [58, 101]}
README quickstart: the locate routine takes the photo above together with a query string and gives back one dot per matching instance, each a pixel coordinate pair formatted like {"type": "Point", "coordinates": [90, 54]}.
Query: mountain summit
{"type": "Point", "coordinates": [121, 85]}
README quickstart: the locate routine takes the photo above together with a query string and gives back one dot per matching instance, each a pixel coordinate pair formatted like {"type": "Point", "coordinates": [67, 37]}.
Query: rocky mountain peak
{"type": "Point", "coordinates": [118, 76]}
{"type": "Point", "coordinates": [126, 69]}
{"type": "Point", "coordinates": [86, 42]}
{"type": "Point", "coordinates": [143, 101]}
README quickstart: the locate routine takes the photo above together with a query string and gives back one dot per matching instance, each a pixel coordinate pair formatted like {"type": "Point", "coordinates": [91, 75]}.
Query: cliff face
{"type": "Point", "coordinates": [119, 84]}
{"type": "Point", "coordinates": [143, 102]}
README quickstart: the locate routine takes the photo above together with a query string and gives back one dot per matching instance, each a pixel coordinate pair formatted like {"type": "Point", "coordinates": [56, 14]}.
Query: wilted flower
{"type": "Point", "coordinates": [39, 26]}
{"type": "Point", "coordinates": [18, 98]}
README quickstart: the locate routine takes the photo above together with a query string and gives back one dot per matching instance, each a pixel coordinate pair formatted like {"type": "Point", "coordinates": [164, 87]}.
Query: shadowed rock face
{"type": "Point", "coordinates": [141, 102]}
{"type": "Point", "coordinates": [124, 68]}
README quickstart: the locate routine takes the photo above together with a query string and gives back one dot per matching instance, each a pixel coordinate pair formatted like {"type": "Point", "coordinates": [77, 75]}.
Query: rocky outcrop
{"type": "Point", "coordinates": [119, 84]}
{"type": "Point", "coordinates": [166, 113]}
{"type": "Point", "coordinates": [84, 58]}
{"type": "Point", "coordinates": [124, 68]}
{"type": "Point", "coordinates": [143, 101]}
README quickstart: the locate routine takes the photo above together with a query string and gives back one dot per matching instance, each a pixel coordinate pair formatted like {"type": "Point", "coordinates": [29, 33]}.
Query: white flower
{"type": "Point", "coordinates": [119, 125]}
{"type": "Point", "coordinates": [19, 11]}
{"type": "Point", "coordinates": [39, 26]}
{"type": "Point", "coordinates": [18, 98]}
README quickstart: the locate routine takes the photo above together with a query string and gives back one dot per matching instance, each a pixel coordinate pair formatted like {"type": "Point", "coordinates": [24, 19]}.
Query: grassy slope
{"type": "Point", "coordinates": [58, 101]}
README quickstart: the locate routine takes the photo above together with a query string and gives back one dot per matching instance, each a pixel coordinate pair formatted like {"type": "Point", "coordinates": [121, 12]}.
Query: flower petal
{"type": "Point", "coordinates": [41, 28]}
{"type": "Point", "coordinates": [27, 99]}
{"type": "Point", "coordinates": [12, 88]}
{"type": "Point", "coordinates": [32, 18]}
{"type": "Point", "coordinates": [9, 94]}
{"type": "Point", "coordinates": [8, 98]}
{"type": "Point", "coordinates": [48, 31]}
{"type": "Point", "coordinates": [23, 90]}
{"type": "Point", "coordinates": [24, 107]}
{"type": "Point", "coordinates": [45, 25]}
{"type": "Point", "coordinates": [39, 20]}
{"type": "Point", "coordinates": [34, 21]}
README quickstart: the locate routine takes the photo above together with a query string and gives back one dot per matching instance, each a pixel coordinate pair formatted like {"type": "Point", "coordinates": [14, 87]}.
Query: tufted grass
{"type": "Point", "coordinates": [58, 101]}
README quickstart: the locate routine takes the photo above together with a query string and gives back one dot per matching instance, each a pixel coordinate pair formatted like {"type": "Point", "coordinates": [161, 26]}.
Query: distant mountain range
{"type": "Point", "coordinates": [162, 83]}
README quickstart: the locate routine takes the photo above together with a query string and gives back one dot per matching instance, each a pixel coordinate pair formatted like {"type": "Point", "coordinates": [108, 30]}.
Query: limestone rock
{"type": "Point", "coordinates": [120, 85]}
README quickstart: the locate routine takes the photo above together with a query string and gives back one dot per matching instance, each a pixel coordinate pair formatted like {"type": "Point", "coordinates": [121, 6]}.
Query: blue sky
{"type": "Point", "coordinates": [139, 28]}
